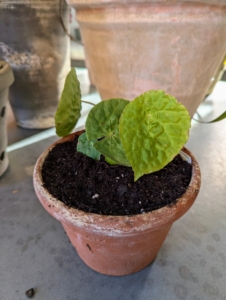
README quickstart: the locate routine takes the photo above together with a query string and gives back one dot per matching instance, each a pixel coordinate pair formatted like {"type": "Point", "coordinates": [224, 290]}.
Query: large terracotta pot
{"type": "Point", "coordinates": [132, 46]}
{"type": "Point", "coordinates": [6, 79]}
{"type": "Point", "coordinates": [34, 43]}
{"type": "Point", "coordinates": [116, 245]}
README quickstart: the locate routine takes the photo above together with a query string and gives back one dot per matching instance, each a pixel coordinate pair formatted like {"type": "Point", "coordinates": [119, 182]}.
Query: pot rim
{"type": "Point", "coordinates": [115, 225]}
{"type": "Point", "coordinates": [104, 3]}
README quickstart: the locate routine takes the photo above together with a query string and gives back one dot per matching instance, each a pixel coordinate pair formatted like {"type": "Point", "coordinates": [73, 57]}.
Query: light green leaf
{"type": "Point", "coordinates": [68, 111]}
{"type": "Point", "coordinates": [86, 147]}
{"type": "Point", "coordinates": [153, 128]}
{"type": "Point", "coordinates": [110, 161]}
{"type": "Point", "coordinates": [102, 125]}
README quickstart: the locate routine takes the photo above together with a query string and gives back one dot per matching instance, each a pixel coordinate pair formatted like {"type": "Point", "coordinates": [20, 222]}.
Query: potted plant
{"type": "Point", "coordinates": [6, 79]}
{"type": "Point", "coordinates": [119, 193]}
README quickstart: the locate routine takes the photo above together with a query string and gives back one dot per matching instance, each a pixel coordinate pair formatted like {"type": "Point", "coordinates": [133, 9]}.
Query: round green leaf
{"type": "Point", "coordinates": [86, 147]}
{"type": "Point", "coordinates": [68, 111]}
{"type": "Point", "coordinates": [102, 125]}
{"type": "Point", "coordinates": [153, 128]}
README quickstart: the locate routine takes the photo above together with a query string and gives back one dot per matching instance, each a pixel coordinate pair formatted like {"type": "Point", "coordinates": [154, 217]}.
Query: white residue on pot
{"type": "Point", "coordinates": [16, 59]}
{"type": "Point", "coordinates": [32, 61]}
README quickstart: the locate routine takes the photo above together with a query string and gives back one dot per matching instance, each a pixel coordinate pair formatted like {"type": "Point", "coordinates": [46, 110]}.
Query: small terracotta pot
{"type": "Point", "coordinates": [116, 245]}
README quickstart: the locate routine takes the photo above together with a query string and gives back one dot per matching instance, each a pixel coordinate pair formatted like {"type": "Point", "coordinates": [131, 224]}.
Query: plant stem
{"type": "Point", "coordinates": [87, 102]}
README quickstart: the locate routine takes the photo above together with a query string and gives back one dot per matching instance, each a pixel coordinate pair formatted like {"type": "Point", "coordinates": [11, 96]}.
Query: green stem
{"type": "Point", "coordinates": [87, 102]}
{"type": "Point", "coordinates": [221, 117]}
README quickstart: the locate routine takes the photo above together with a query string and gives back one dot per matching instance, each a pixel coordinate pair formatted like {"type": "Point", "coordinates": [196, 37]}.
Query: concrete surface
{"type": "Point", "coordinates": [35, 251]}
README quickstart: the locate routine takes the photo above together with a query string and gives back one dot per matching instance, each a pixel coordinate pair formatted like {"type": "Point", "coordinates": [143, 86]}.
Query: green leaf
{"type": "Point", "coordinates": [153, 128]}
{"type": "Point", "coordinates": [102, 125]}
{"type": "Point", "coordinates": [110, 161]}
{"type": "Point", "coordinates": [68, 111]}
{"type": "Point", "coordinates": [86, 147]}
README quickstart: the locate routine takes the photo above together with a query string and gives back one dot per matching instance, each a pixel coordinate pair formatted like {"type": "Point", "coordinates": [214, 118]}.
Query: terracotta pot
{"type": "Point", "coordinates": [6, 79]}
{"type": "Point", "coordinates": [36, 46]}
{"type": "Point", "coordinates": [134, 46]}
{"type": "Point", "coordinates": [116, 245]}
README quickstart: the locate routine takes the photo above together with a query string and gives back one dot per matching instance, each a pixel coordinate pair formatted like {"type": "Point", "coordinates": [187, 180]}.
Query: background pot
{"type": "Point", "coordinates": [116, 245]}
{"type": "Point", "coordinates": [34, 43]}
{"type": "Point", "coordinates": [6, 79]}
{"type": "Point", "coordinates": [134, 46]}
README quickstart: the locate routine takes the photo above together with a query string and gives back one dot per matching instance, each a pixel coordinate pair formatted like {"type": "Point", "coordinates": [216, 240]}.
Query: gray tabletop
{"type": "Point", "coordinates": [36, 253]}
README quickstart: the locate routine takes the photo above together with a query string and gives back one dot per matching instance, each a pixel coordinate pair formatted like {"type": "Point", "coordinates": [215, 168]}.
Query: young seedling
{"type": "Point", "coordinates": [145, 134]}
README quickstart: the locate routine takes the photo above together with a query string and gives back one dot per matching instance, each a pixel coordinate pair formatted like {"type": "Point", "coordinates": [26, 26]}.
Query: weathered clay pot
{"type": "Point", "coordinates": [6, 79]}
{"type": "Point", "coordinates": [116, 245]}
{"type": "Point", "coordinates": [132, 46]}
{"type": "Point", "coordinates": [36, 46]}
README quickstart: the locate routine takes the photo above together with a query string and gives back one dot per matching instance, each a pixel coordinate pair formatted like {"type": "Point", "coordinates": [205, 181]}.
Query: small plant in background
{"type": "Point", "coordinates": [145, 134]}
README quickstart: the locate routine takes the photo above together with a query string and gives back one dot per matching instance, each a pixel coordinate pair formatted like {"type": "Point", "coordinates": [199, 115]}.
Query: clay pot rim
{"type": "Point", "coordinates": [115, 225]}
{"type": "Point", "coordinates": [104, 3]}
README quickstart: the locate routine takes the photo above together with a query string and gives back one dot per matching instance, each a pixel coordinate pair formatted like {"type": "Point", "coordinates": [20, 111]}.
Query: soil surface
{"type": "Point", "coordinates": [95, 186]}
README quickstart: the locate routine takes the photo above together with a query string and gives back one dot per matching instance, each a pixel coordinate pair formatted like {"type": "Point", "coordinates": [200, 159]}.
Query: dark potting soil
{"type": "Point", "coordinates": [95, 186]}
